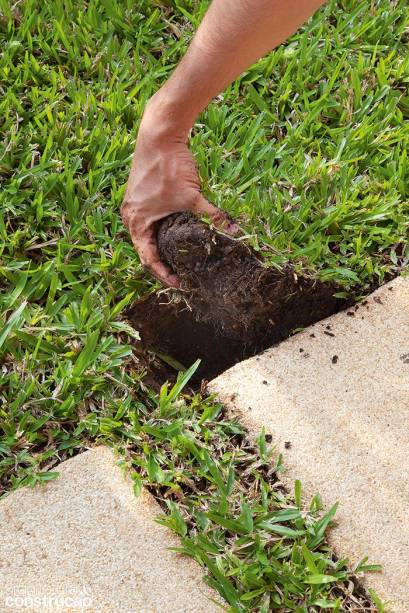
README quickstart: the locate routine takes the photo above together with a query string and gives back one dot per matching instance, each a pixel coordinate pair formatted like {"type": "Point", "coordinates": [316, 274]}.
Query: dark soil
{"type": "Point", "coordinates": [170, 328]}
{"type": "Point", "coordinates": [231, 306]}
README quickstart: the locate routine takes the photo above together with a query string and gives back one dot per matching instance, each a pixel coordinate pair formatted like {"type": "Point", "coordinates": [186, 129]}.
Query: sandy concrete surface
{"type": "Point", "coordinates": [85, 542]}
{"type": "Point", "coordinates": [339, 393]}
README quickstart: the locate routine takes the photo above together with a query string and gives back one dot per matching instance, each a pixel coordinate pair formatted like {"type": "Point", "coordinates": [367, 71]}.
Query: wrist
{"type": "Point", "coordinates": [165, 119]}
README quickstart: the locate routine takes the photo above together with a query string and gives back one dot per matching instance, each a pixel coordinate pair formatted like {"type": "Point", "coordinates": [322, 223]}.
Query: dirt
{"type": "Point", "coordinates": [231, 305]}
{"type": "Point", "coordinates": [170, 328]}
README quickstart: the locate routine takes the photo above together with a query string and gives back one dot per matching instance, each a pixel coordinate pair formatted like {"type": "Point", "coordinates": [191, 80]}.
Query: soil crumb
{"type": "Point", "coordinates": [231, 306]}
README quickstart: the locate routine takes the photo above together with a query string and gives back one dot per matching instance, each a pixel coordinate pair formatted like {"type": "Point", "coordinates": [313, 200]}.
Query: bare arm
{"type": "Point", "coordinates": [163, 178]}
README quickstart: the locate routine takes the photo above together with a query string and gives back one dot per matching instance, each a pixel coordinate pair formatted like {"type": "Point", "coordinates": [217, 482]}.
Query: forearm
{"type": "Point", "coordinates": [232, 36]}
{"type": "Point", "coordinates": [164, 179]}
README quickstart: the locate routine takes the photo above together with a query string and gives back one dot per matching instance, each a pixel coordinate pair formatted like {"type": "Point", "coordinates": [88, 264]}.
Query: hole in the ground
{"type": "Point", "coordinates": [170, 330]}
{"type": "Point", "coordinates": [232, 306]}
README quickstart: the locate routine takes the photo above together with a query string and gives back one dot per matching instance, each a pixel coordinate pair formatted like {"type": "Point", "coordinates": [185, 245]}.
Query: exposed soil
{"type": "Point", "coordinates": [231, 306]}
{"type": "Point", "coordinates": [229, 287]}
{"type": "Point", "coordinates": [171, 328]}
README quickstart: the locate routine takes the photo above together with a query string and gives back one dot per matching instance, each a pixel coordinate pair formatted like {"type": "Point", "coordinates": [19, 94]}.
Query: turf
{"type": "Point", "coordinates": [308, 148]}
{"type": "Point", "coordinates": [314, 157]}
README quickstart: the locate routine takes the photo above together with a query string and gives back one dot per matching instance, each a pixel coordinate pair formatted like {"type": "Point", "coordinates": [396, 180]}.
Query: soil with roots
{"type": "Point", "coordinates": [231, 306]}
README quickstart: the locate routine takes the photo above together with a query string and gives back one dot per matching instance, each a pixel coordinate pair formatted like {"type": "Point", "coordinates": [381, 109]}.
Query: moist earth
{"type": "Point", "coordinates": [230, 306]}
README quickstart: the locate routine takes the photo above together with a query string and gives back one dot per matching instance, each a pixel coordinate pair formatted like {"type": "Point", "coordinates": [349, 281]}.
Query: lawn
{"type": "Point", "coordinates": [308, 149]}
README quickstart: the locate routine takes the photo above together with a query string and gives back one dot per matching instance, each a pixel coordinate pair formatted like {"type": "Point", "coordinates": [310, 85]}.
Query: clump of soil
{"type": "Point", "coordinates": [233, 306]}
{"type": "Point", "coordinates": [228, 286]}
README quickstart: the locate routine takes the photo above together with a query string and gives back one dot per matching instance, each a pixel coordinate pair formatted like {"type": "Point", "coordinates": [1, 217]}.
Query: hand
{"type": "Point", "coordinates": [163, 180]}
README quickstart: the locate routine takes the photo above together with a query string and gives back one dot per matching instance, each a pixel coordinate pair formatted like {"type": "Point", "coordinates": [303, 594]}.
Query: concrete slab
{"type": "Point", "coordinates": [85, 543]}
{"type": "Point", "coordinates": [339, 393]}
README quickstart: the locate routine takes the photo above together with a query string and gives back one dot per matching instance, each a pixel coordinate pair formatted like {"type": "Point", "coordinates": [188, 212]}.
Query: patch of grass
{"type": "Point", "coordinates": [224, 499]}
{"type": "Point", "coordinates": [313, 157]}
{"type": "Point", "coordinates": [308, 148]}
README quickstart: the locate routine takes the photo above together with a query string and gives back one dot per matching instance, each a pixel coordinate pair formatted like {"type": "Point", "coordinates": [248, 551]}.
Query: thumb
{"type": "Point", "coordinates": [217, 216]}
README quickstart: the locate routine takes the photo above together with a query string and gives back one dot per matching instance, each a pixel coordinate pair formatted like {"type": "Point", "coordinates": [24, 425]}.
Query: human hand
{"type": "Point", "coordinates": [163, 180]}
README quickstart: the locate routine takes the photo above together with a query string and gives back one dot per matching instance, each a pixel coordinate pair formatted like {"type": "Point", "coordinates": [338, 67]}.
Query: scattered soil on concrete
{"type": "Point", "coordinates": [231, 306]}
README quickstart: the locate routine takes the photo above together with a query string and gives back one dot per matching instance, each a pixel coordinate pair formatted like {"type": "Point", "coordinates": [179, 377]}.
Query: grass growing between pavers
{"type": "Point", "coordinates": [309, 148]}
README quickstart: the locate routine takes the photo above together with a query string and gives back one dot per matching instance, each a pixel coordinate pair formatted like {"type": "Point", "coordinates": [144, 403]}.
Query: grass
{"type": "Point", "coordinates": [314, 157]}
{"type": "Point", "coordinates": [308, 148]}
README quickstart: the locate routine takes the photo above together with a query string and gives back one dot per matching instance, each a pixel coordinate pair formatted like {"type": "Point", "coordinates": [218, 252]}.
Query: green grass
{"type": "Point", "coordinates": [308, 148]}
{"type": "Point", "coordinates": [314, 156]}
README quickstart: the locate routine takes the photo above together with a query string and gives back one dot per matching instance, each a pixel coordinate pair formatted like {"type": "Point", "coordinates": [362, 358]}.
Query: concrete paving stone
{"type": "Point", "coordinates": [335, 398]}
{"type": "Point", "coordinates": [85, 542]}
